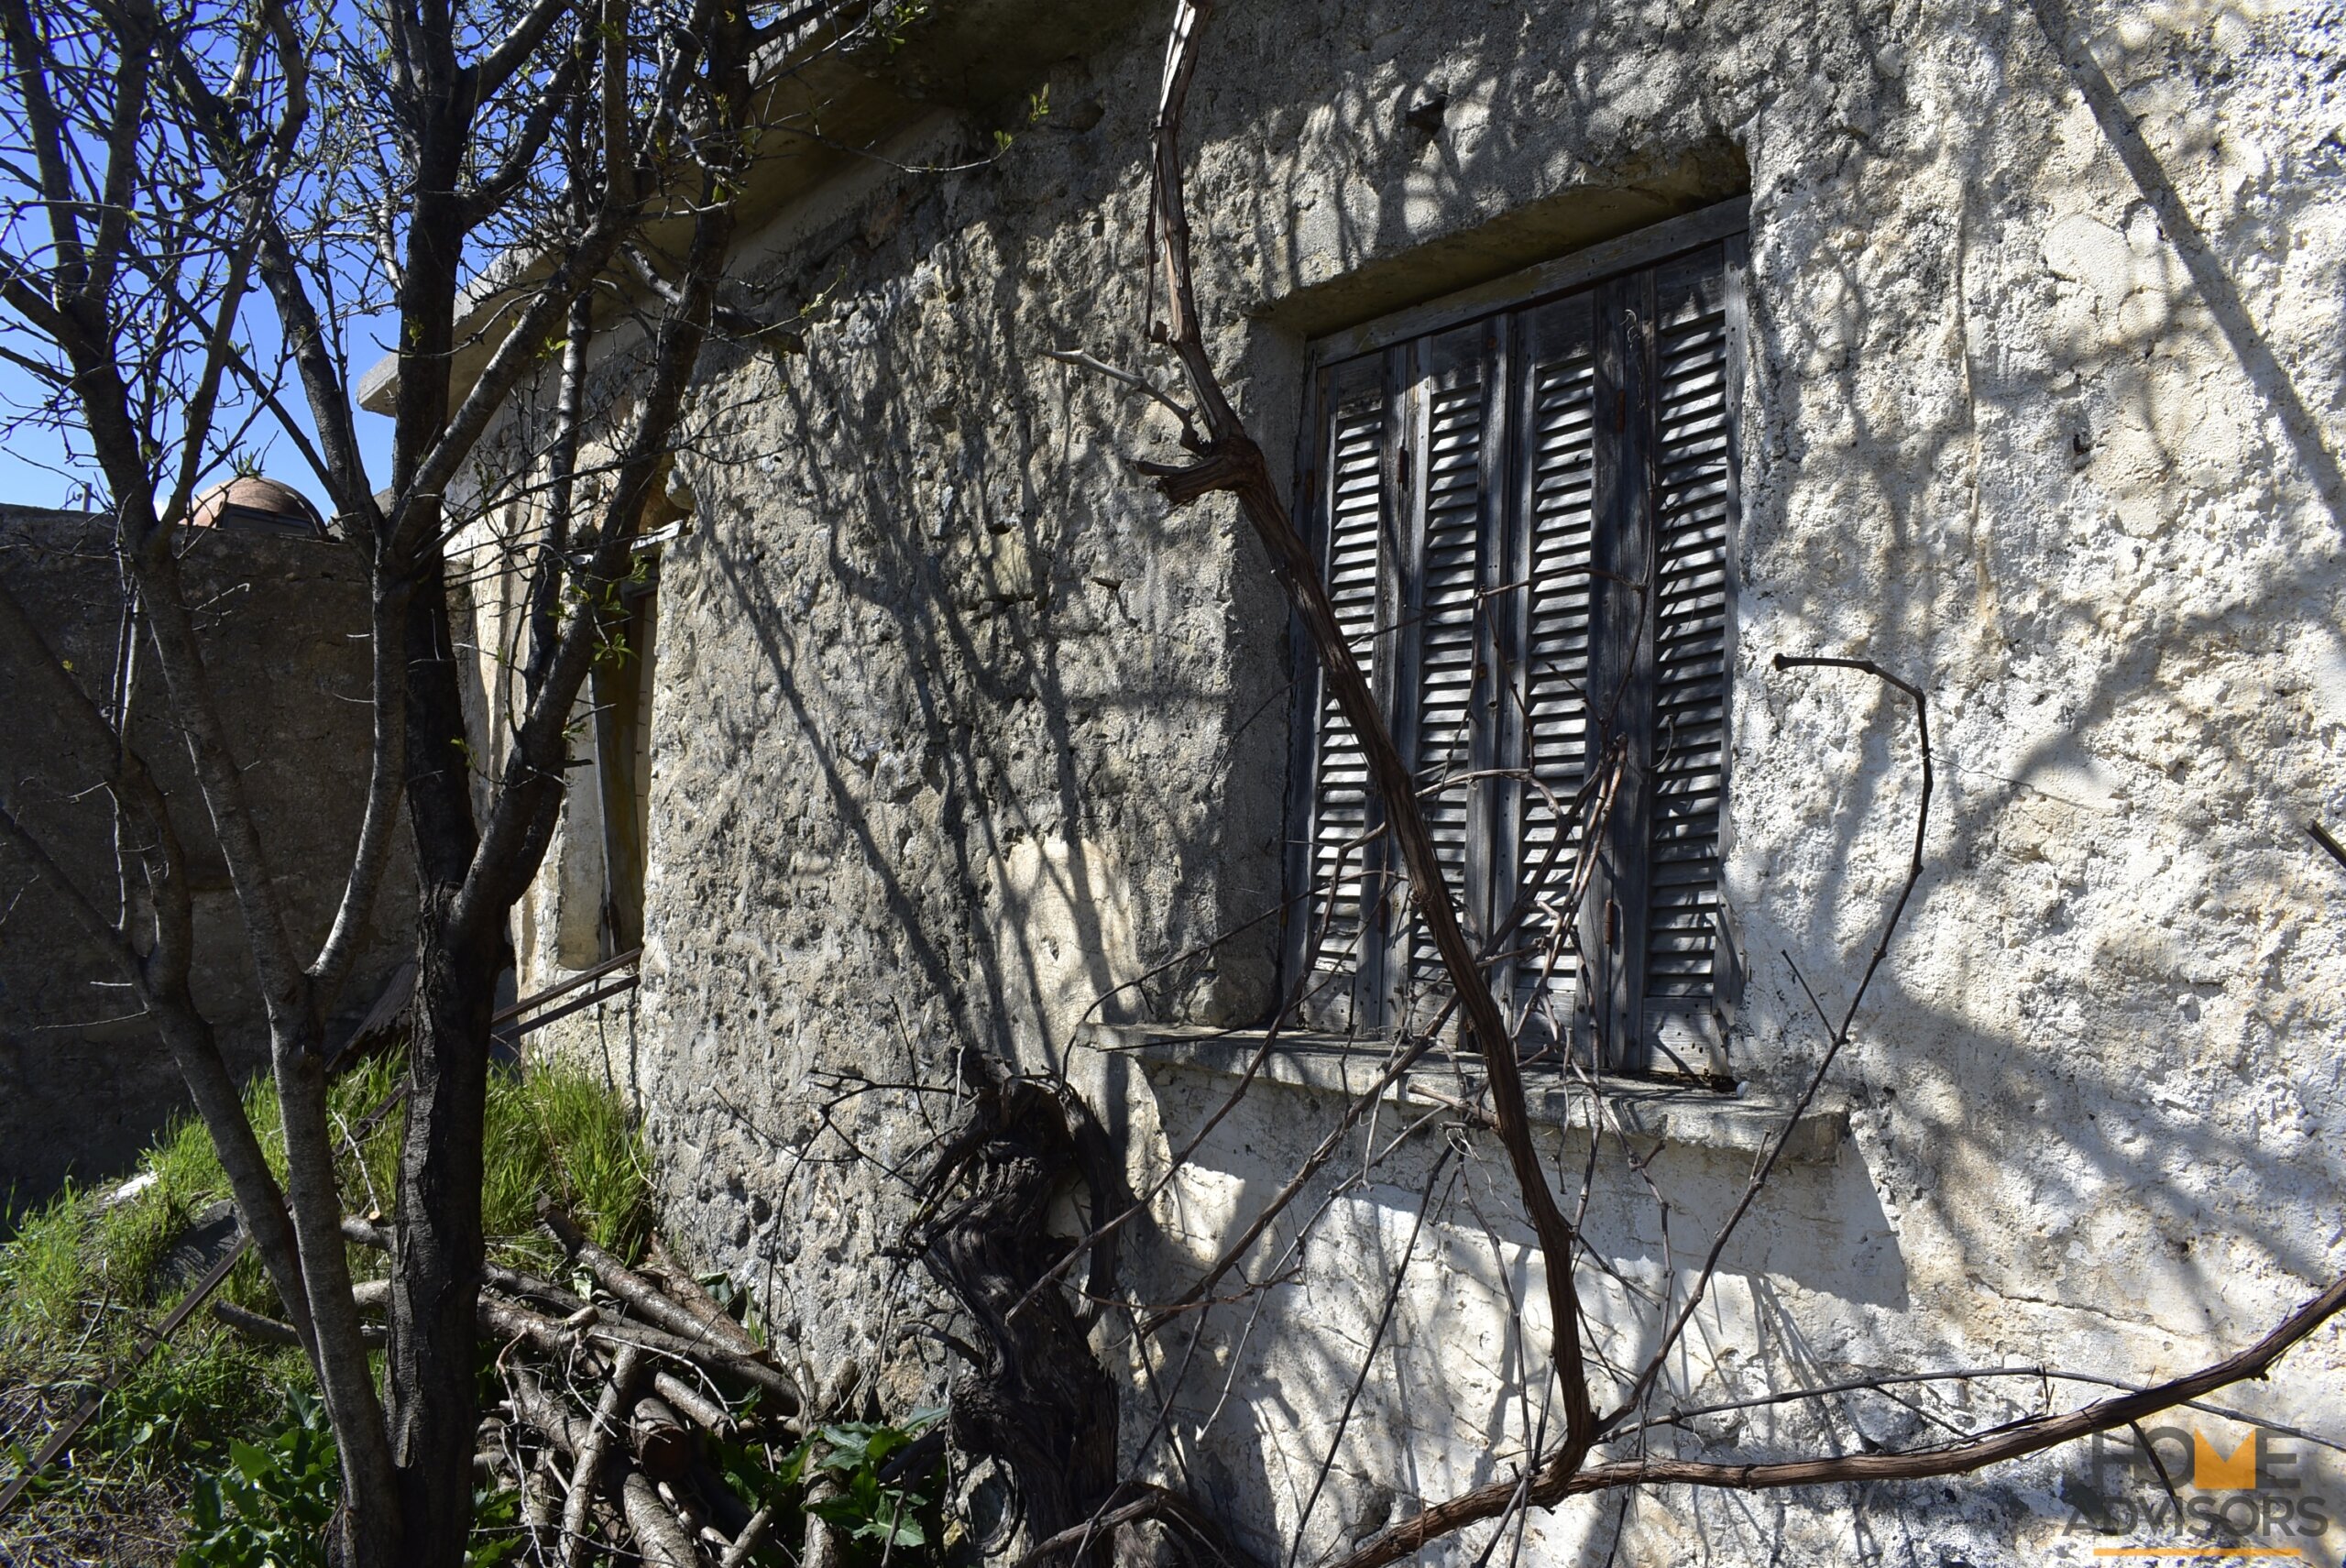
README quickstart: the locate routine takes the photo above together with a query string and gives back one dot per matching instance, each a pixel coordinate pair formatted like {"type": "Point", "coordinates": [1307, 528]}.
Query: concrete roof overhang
{"type": "Point", "coordinates": [828, 94]}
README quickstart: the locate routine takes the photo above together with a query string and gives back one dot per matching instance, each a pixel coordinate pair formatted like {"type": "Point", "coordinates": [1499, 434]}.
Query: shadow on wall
{"type": "Point", "coordinates": [1258, 1389]}
{"type": "Point", "coordinates": [950, 662]}
{"type": "Point", "coordinates": [1007, 731]}
{"type": "Point", "coordinates": [2098, 1015]}
{"type": "Point", "coordinates": [976, 753]}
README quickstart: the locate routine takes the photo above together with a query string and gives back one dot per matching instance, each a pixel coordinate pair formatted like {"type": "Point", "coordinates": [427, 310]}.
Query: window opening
{"type": "Point", "coordinates": [1524, 511]}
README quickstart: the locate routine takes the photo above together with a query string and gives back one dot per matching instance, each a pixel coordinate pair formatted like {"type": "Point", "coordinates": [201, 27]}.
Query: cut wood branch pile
{"type": "Point", "coordinates": [613, 1404]}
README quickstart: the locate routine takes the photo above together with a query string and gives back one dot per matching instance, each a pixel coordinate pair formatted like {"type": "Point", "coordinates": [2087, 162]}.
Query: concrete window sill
{"type": "Point", "coordinates": [1689, 1117]}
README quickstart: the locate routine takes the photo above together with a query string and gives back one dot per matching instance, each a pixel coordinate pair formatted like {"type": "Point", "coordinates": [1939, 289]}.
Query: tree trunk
{"type": "Point", "coordinates": [435, 1285]}
{"type": "Point", "coordinates": [435, 1282]}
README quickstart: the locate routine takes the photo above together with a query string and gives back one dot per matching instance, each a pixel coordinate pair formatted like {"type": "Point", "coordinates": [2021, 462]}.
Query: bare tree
{"type": "Point", "coordinates": [199, 213]}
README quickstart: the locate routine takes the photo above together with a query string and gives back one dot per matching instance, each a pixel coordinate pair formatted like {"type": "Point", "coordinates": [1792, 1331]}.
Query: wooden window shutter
{"type": "Point", "coordinates": [1525, 522]}
{"type": "Point", "coordinates": [1335, 941]}
{"type": "Point", "coordinates": [1448, 577]}
{"type": "Point", "coordinates": [1652, 925]}
{"type": "Point", "coordinates": [1695, 472]}
{"type": "Point", "coordinates": [1545, 724]}
{"type": "Point", "coordinates": [1620, 679]}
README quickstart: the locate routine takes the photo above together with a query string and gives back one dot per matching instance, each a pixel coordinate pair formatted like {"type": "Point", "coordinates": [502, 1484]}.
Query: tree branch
{"type": "Point", "coordinates": [1230, 459]}
{"type": "Point", "coordinates": [1557, 1481]}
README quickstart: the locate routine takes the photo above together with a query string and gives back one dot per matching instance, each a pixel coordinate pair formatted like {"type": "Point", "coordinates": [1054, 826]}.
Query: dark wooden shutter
{"type": "Point", "coordinates": [1337, 940]}
{"type": "Point", "coordinates": [1620, 676]}
{"type": "Point", "coordinates": [1446, 673]}
{"type": "Point", "coordinates": [1547, 733]}
{"type": "Point", "coordinates": [621, 689]}
{"type": "Point", "coordinates": [1695, 472]}
{"type": "Point", "coordinates": [1340, 816]}
{"type": "Point", "coordinates": [1525, 526]}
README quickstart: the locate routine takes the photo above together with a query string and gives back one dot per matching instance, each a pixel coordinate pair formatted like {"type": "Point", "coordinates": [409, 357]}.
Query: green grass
{"type": "Point", "coordinates": [41, 1276]}
{"type": "Point", "coordinates": [81, 1276]}
{"type": "Point", "coordinates": [560, 1132]}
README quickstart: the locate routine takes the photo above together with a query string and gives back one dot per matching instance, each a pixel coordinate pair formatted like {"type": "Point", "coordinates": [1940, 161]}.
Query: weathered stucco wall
{"type": "Point", "coordinates": [83, 1081]}
{"type": "Point", "coordinates": [959, 732]}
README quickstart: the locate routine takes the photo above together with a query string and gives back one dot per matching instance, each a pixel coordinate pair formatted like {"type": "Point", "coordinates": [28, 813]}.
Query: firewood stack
{"type": "Point", "coordinates": [612, 1405]}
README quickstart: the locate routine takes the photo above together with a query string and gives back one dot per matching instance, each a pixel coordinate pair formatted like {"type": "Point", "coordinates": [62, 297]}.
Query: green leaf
{"type": "Point", "coordinates": [794, 1468]}
{"type": "Point", "coordinates": [494, 1535]}
{"type": "Point", "coordinates": [901, 1529]}
{"type": "Point", "coordinates": [271, 1508]}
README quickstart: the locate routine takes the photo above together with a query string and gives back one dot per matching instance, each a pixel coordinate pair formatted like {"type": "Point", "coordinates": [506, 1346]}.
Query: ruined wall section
{"type": "Point", "coordinates": [83, 1081]}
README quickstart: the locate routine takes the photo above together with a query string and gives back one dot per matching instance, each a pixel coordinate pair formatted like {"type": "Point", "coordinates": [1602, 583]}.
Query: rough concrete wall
{"type": "Point", "coordinates": [83, 1084]}
{"type": "Point", "coordinates": [958, 729]}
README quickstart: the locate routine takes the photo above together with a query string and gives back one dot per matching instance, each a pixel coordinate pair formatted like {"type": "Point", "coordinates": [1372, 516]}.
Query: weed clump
{"type": "Point", "coordinates": [85, 1276]}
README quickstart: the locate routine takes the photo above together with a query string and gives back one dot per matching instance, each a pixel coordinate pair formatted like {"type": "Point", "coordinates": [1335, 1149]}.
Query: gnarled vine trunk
{"type": "Point", "coordinates": [1042, 1406]}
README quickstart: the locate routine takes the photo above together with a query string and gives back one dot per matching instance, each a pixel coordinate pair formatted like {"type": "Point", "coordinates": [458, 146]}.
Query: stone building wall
{"type": "Point", "coordinates": [83, 1083]}
{"type": "Point", "coordinates": [963, 740]}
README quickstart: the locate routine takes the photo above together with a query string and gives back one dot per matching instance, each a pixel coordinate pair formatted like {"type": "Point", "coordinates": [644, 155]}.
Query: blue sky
{"type": "Point", "coordinates": [28, 456]}
{"type": "Point", "coordinates": [31, 457]}
{"type": "Point", "coordinates": [36, 467]}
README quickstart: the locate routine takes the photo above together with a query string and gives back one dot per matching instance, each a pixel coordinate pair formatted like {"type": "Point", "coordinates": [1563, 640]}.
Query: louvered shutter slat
{"type": "Point", "coordinates": [1448, 574]}
{"type": "Point", "coordinates": [1559, 528]}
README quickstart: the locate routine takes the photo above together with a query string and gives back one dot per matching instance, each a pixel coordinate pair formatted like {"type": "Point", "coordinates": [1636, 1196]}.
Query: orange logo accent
{"type": "Point", "coordinates": [2212, 1472]}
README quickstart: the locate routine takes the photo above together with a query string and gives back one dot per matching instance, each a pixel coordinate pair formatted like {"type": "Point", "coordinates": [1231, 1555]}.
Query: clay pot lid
{"type": "Point", "coordinates": [259, 505]}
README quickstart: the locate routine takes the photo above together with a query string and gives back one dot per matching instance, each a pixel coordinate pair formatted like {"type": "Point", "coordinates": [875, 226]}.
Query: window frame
{"type": "Point", "coordinates": [1671, 1035]}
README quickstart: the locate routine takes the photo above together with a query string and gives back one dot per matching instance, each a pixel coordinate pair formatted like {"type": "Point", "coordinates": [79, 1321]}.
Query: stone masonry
{"type": "Point", "coordinates": [960, 739]}
{"type": "Point", "coordinates": [84, 1084]}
